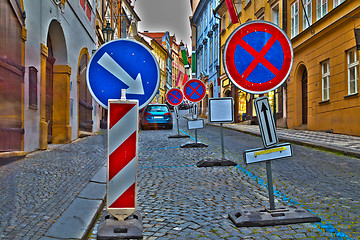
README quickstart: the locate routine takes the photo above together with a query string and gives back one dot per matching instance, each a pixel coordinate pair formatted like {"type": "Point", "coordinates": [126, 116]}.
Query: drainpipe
{"type": "Point", "coordinates": [284, 88]}
{"type": "Point", "coordinates": [219, 51]}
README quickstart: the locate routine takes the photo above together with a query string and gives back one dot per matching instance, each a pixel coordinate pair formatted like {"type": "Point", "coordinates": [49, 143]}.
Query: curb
{"type": "Point", "coordinates": [77, 220]}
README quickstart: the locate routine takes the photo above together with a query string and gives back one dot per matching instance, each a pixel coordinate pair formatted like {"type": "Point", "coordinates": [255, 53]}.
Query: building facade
{"type": "Point", "coordinates": [249, 10]}
{"type": "Point", "coordinates": [323, 89]}
{"type": "Point", "coordinates": [205, 35]}
{"type": "Point", "coordinates": [161, 56]}
{"type": "Point", "coordinates": [43, 60]}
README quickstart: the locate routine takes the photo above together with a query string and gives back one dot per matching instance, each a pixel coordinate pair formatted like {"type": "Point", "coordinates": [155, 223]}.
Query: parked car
{"type": "Point", "coordinates": [156, 116]}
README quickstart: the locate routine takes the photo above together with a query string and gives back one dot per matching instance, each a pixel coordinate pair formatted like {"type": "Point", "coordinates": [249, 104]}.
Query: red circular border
{"type": "Point", "coordinates": [188, 83]}
{"type": "Point", "coordinates": [229, 61]}
{"type": "Point", "coordinates": [177, 90]}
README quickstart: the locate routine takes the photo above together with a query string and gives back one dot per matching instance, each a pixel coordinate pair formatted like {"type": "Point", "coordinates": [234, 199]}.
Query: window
{"type": "Point", "coordinates": [353, 71]}
{"type": "Point", "coordinates": [33, 87]}
{"type": "Point", "coordinates": [307, 16]}
{"type": "Point", "coordinates": [237, 6]}
{"type": "Point", "coordinates": [211, 51]}
{"type": "Point", "coordinates": [205, 20]}
{"type": "Point", "coordinates": [216, 47]}
{"type": "Point", "coordinates": [295, 19]}
{"type": "Point", "coordinates": [223, 22]}
{"type": "Point", "coordinates": [325, 83]}
{"type": "Point", "coordinates": [321, 7]}
{"type": "Point", "coordinates": [338, 2]}
{"type": "Point", "coordinates": [275, 14]}
{"type": "Point", "coordinates": [205, 58]}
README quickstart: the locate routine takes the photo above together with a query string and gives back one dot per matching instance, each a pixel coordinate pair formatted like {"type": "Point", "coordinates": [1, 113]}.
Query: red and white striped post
{"type": "Point", "coordinates": [122, 157]}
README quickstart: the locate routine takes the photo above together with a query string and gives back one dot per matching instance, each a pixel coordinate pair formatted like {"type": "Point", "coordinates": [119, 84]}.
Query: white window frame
{"type": "Point", "coordinates": [295, 19]}
{"type": "Point", "coordinates": [338, 2]}
{"type": "Point", "coordinates": [321, 9]}
{"type": "Point", "coordinates": [353, 66]}
{"type": "Point", "coordinates": [325, 80]}
{"type": "Point", "coordinates": [275, 14]}
{"type": "Point", "coordinates": [237, 5]}
{"type": "Point", "coordinates": [308, 10]}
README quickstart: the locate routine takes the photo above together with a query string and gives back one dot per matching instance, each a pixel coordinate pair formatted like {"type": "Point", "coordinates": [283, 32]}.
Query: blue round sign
{"type": "Point", "coordinates": [123, 64]}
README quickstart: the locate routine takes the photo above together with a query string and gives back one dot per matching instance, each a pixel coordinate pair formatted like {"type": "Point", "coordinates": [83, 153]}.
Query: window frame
{"type": "Point", "coordinates": [337, 2]}
{"type": "Point", "coordinates": [353, 65]}
{"type": "Point", "coordinates": [325, 77]}
{"type": "Point", "coordinates": [275, 9]}
{"type": "Point", "coordinates": [320, 12]}
{"type": "Point", "coordinates": [294, 17]}
{"type": "Point", "coordinates": [309, 15]}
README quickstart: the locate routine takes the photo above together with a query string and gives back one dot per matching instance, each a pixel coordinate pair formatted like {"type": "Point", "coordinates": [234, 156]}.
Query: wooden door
{"type": "Point", "coordinates": [85, 99]}
{"type": "Point", "coordinates": [11, 79]}
{"type": "Point", "coordinates": [304, 99]}
{"type": "Point", "coordinates": [49, 95]}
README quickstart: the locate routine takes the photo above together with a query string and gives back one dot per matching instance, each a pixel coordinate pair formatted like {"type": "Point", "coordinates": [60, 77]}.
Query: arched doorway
{"type": "Point", "coordinates": [85, 99]}
{"type": "Point", "coordinates": [304, 96]}
{"type": "Point", "coordinates": [56, 87]}
{"type": "Point", "coordinates": [211, 90]}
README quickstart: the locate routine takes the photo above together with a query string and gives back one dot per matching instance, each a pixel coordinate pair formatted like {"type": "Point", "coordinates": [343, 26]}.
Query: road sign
{"type": "Point", "coordinates": [221, 110]}
{"type": "Point", "coordinates": [194, 90]}
{"type": "Point", "coordinates": [258, 57]}
{"type": "Point", "coordinates": [261, 154]}
{"type": "Point", "coordinates": [123, 64]}
{"type": "Point", "coordinates": [266, 121]}
{"type": "Point", "coordinates": [174, 97]}
{"type": "Point", "coordinates": [122, 157]}
{"type": "Point", "coordinates": [195, 124]}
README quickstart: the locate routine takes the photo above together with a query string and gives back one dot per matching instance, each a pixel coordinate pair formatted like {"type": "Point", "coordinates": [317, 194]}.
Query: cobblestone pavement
{"type": "Point", "coordinates": [37, 189]}
{"type": "Point", "coordinates": [181, 201]}
{"type": "Point", "coordinates": [340, 142]}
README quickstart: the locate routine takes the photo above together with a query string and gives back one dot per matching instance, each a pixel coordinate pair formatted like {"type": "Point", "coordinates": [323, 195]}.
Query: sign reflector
{"type": "Point", "coordinates": [261, 154]}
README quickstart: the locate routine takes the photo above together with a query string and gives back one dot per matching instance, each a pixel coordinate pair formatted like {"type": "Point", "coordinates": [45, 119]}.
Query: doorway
{"type": "Point", "coordinates": [304, 96]}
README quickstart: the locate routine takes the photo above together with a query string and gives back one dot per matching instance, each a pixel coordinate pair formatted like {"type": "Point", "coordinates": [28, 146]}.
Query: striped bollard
{"type": "Point", "coordinates": [122, 157]}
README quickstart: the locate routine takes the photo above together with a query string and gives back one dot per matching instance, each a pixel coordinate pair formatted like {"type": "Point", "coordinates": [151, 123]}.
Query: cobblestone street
{"type": "Point", "coordinates": [181, 201]}
{"type": "Point", "coordinates": [36, 190]}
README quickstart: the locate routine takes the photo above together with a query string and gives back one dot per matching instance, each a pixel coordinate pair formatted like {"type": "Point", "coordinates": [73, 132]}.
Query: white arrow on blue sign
{"type": "Point", "coordinates": [123, 64]}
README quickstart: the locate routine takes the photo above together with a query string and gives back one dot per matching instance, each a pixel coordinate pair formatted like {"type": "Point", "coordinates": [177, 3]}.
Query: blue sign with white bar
{"type": "Point", "coordinates": [123, 64]}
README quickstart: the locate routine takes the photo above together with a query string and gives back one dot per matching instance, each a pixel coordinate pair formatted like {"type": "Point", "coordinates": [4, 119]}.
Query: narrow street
{"type": "Point", "coordinates": [181, 201]}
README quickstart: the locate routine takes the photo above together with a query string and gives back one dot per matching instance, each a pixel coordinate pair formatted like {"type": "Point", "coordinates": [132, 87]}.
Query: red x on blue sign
{"type": "Point", "coordinates": [194, 90]}
{"type": "Point", "coordinates": [174, 97]}
{"type": "Point", "coordinates": [258, 57]}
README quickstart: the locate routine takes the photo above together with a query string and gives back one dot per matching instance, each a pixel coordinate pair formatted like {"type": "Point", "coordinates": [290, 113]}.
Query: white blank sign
{"type": "Point", "coordinates": [195, 124]}
{"type": "Point", "coordinates": [221, 110]}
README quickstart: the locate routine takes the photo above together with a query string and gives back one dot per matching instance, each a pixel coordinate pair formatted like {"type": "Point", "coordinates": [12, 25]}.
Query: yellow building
{"type": "Point", "coordinates": [268, 10]}
{"type": "Point", "coordinates": [323, 90]}
{"type": "Point", "coordinates": [161, 56]}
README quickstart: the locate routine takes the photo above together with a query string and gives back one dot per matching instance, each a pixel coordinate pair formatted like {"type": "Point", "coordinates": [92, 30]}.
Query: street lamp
{"type": "Point", "coordinates": [108, 32]}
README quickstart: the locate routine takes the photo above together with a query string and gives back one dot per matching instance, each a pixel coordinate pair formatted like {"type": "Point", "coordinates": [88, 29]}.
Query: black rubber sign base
{"type": "Point", "coordinates": [110, 228]}
{"type": "Point", "coordinates": [179, 136]}
{"type": "Point", "coordinates": [281, 216]}
{"type": "Point", "coordinates": [215, 162]}
{"type": "Point", "coordinates": [193, 145]}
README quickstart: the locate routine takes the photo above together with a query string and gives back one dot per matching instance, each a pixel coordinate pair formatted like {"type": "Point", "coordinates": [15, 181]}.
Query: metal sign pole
{"type": "Point", "coordinates": [222, 141]}
{"type": "Point", "coordinates": [196, 135]}
{"type": "Point", "coordinates": [176, 110]}
{"type": "Point", "coordinates": [270, 185]}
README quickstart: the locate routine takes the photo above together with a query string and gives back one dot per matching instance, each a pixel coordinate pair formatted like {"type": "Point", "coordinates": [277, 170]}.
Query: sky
{"type": "Point", "coordinates": [165, 15]}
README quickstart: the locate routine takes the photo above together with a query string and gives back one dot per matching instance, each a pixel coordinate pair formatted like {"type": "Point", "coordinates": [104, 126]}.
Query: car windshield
{"type": "Point", "coordinates": [156, 109]}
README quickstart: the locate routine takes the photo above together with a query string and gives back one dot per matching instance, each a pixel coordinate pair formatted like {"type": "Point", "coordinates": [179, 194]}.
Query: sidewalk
{"type": "Point", "coordinates": [349, 145]}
